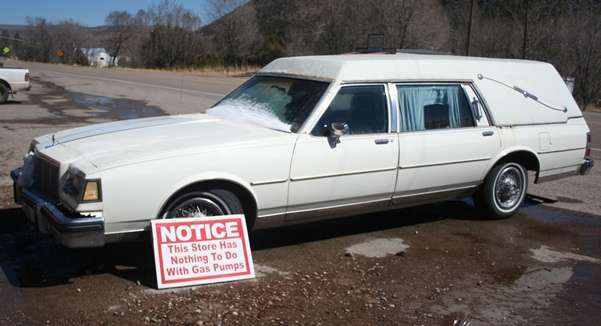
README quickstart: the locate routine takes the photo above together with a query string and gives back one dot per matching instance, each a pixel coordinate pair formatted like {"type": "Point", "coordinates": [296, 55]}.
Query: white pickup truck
{"type": "Point", "coordinates": [13, 80]}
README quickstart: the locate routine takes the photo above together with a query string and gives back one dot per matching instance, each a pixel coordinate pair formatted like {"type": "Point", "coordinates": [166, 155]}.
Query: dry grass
{"type": "Point", "coordinates": [239, 71]}
{"type": "Point", "coordinates": [592, 108]}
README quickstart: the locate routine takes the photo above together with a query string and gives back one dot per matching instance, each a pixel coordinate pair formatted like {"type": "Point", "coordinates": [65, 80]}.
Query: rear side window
{"type": "Point", "coordinates": [363, 108]}
{"type": "Point", "coordinates": [429, 107]}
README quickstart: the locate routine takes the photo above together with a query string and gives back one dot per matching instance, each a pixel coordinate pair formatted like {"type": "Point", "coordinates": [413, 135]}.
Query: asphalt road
{"type": "Point", "coordinates": [428, 265]}
{"type": "Point", "coordinates": [594, 122]}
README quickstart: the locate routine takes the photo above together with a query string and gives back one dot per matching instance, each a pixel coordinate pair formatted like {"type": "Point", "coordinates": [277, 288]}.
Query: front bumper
{"type": "Point", "coordinates": [586, 167]}
{"type": "Point", "coordinates": [70, 228]}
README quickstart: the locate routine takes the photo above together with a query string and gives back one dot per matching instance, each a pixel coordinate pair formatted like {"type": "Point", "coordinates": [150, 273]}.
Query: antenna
{"type": "Point", "coordinates": [525, 93]}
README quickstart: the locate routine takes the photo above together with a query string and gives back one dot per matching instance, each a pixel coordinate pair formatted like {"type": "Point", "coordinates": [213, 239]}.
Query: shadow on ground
{"type": "Point", "coordinates": [9, 101]}
{"type": "Point", "coordinates": [31, 259]}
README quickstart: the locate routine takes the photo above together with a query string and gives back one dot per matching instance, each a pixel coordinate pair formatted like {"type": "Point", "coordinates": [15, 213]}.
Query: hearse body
{"type": "Point", "coordinates": [315, 137]}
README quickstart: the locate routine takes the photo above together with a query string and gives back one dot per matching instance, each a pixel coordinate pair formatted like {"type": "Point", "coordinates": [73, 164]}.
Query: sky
{"type": "Point", "coordinates": [86, 12]}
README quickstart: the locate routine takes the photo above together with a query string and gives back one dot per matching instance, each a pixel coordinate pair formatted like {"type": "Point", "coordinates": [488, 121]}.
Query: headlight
{"type": "Point", "coordinates": [91, 191]}
{"type": "Point", "coordinates": [81, 189]}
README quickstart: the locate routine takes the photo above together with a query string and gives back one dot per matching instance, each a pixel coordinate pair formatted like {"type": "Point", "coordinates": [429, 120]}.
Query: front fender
{"type": "Point", "coordinates": [205, 176]}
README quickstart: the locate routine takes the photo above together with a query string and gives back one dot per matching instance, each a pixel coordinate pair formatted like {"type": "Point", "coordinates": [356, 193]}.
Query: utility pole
{"type": "Point", "coordinates": [525, 37]}
{"type": "Point", "coordinates": [469, 28]}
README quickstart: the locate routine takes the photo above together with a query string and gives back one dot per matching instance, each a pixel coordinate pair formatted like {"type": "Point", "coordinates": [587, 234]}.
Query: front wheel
{"type": "Point", "coordinates": [3, 93]}
{"type": "Point", "coordinates": [200, 203]}
{"type": "Point", "coordinates": [503, 190]}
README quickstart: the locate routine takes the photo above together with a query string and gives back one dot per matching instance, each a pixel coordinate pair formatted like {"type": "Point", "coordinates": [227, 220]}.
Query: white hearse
{"type": "Point", "coordinates": [315, 137]}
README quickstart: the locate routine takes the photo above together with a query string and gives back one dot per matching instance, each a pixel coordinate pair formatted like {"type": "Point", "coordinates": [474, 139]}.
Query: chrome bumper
{"type": "Point", "coordinates": [586, 166]}
{"type": "Point", "coordinates": [70, 228]}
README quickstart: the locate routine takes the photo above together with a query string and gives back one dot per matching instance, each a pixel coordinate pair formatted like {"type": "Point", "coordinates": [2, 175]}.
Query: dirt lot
{"type": "Point", "coordinates": [428, 265]}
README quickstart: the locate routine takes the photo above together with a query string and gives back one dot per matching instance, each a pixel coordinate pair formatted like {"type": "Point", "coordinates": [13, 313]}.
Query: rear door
{"type": "Point", "coordinates": [445, 148]}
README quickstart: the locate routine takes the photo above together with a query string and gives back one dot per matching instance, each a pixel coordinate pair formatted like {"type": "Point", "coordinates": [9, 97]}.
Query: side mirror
{"type": "Point", "coordinates": [337, 130]}
{"type": "Point", "coordinates": [476, 109]}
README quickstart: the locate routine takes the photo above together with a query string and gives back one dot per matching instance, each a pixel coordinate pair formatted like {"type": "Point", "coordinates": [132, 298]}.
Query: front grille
{"type": "Point", "coordinates": [45, 177]}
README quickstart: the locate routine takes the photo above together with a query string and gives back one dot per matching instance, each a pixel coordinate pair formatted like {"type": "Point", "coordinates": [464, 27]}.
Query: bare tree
{"type": "Point", "coordinates": [40, 42]}
{"type": "Point", "coordinates": [121, 25]}
{"type": "Point", "coordinates": [396, 26]}
{"type": "Point", "coordinates": [586, 37]}
{"type": "Point", "coordinates": [171, 36]}
{"type": "Point", "coordinates": [230, 29]}
{"type": "Point", "coordinates": [333, 33]}
{"type": "Point", "coordinates": [5, 41]}
{"type": "Point", "coordinates": [68, 37]}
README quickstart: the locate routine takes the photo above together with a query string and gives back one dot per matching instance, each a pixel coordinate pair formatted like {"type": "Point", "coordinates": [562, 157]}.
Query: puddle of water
{"type": "Point", "coordinates": [121, 108]}
{"type": "Point", "coordinates": [547, 255]}
{"type": "Point", "coordinates": [547, 215]}
{"type": "Point", "coordinates": [378, 248]}
{"type": "Point", "coordinates": [263, 270]}
{"type": "Point", "coordinates": [569, 200]}
{"type": "Point", "coordinates": [497, 305]}
{"type": "Point", "coordinates": [542, 279]}
{"type": "Point", "coordinates": [65, 107]}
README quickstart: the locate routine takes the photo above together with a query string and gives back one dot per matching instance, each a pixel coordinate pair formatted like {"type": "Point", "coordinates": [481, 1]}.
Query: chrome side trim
{"type": "Point", "coordinates": [409, 81]}
{"type": "Point", "coordinates": [435, 190]}
{"type": "Point", "coordinates": [443, 163]}
{"type": "Point", "coordinates": [267, 182]}
{"type": "Point", "coordinates": [337, 210]}
{"type": "Point", "coordinates": [556, 176]}
{"type": "Point", "coordinates": [563, 150]}
{"type": "Point", "coordinates": [339, 206]}
{"type": "Point", "coordinates": [434, 131]}
{"type": "Point", "coordinates": [341, 174]}
{"type": "Point", "coordinates": [534, 124]}
{"type": "Point", "coordinates": [561, 167]}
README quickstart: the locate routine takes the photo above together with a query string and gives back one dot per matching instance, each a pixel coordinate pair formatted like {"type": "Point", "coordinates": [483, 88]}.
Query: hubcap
{"type": "Point", "coordinates": [196, 207]}
{"type": "Point", "coordinates": [509, 187]}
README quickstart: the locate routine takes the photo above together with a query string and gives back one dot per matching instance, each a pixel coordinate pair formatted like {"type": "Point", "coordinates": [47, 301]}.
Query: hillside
{"type": "Point", "coordinates": [169, 36]}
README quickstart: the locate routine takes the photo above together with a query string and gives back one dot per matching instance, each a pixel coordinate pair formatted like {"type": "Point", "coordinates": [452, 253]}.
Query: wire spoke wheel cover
{"type": "Point", "coordinates": [509, 187]}
{"type": "Point", "coordinates": [199, 206]}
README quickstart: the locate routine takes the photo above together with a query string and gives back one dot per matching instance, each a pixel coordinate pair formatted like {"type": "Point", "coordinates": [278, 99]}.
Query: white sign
{"type": "Point", "coordinates": [193, 251]}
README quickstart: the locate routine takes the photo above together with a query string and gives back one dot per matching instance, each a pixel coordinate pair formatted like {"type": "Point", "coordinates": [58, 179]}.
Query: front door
{"type": "Point", "coordinates": [356, 173]}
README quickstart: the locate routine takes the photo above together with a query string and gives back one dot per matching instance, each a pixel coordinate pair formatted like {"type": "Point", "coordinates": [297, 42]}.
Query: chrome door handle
{"type": "Point", "coordinates": [382, 141]}
{"type": "Point", "coordinates": [488, 133]}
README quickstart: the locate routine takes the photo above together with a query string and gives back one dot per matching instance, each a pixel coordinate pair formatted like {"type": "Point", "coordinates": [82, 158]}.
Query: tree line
{"type": "Point", "coordinates": [167, 35]}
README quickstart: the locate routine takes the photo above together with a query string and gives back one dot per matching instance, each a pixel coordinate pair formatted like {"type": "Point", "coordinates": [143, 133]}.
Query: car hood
{"type": "Point", "coordinates": [119, 143]}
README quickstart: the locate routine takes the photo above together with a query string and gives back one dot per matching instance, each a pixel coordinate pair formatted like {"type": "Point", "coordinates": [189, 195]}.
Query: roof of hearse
{"type": "Point", "coordinates": [399, 66]}
{"type": "Point", "coordinates": [502, 82]}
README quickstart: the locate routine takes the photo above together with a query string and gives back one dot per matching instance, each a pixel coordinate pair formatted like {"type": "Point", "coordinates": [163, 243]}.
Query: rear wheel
{"type": "Point", "coordinates": [4, 91]}
{"type": "Point", "coordinates": [503, 190]}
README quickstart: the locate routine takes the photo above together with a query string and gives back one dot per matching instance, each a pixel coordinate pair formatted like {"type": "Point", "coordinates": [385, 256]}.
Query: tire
{"type": "Point", "coordinates": [3, 93]}
{"type": "Point", "coordinates": [216, 201]}
{"type": "Point", "coordinates": [503, 190]}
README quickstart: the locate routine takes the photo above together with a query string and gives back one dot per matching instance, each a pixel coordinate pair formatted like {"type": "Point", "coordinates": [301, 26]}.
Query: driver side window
{"type": "Point", "coordinates": [362, 108]}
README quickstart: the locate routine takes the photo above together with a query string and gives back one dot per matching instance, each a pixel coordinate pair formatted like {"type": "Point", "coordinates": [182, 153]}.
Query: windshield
{"type": "Point", "coordinates": [273, 102]}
